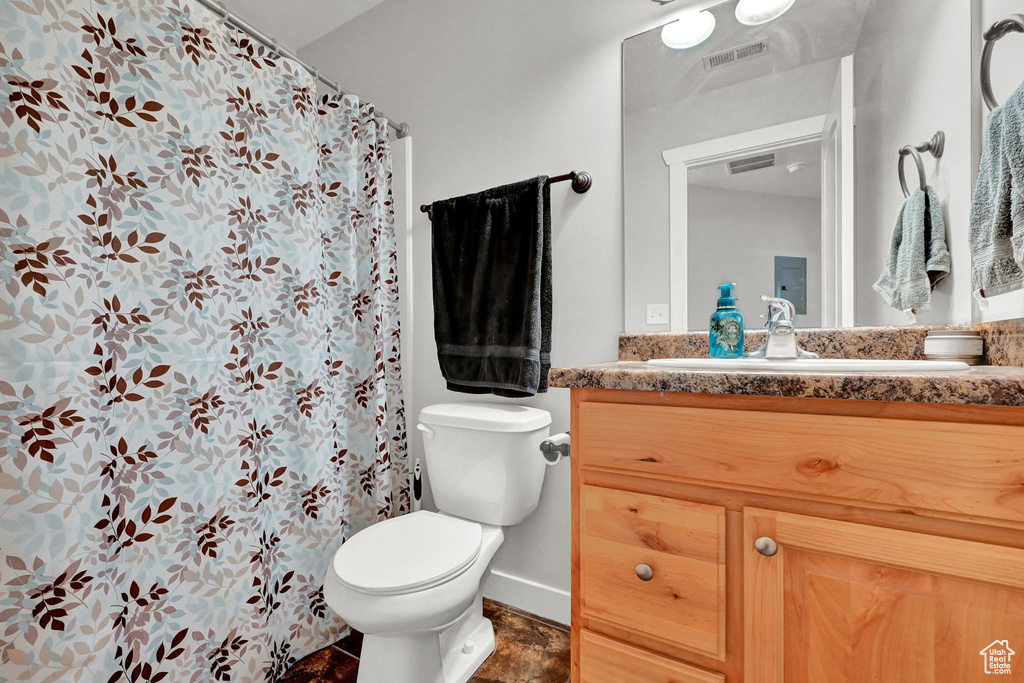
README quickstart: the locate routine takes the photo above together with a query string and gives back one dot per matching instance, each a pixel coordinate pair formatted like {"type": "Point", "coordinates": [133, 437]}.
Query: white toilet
{"type": "Point", "coordinates": [413, 585]}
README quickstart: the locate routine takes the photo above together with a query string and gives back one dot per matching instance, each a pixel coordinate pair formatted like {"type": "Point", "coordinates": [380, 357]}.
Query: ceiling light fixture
{"type": "Point", "coordinates": [754, 12]}
{"type": "Point", "coordinates": [690, 29]}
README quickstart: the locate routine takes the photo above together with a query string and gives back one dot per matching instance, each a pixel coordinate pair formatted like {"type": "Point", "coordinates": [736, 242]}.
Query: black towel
{"type": "Point", "coordinates": [492, 289]}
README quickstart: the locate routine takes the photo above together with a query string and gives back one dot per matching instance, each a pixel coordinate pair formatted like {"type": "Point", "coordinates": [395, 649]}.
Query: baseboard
{"type": "Point", "coordinates": [536, 598]}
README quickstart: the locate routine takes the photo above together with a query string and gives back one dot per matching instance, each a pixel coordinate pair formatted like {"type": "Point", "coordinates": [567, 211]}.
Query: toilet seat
{"type": "Point", "coordinates": [408, 554]}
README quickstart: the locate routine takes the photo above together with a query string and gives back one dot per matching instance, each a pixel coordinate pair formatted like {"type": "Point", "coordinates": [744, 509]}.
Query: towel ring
{"type": "Point", "coordinates": [1012, 24]}
{"type": "Point", "coordinates": [935, 146]}
{"type": "Point", "coordinates": [920, 169]}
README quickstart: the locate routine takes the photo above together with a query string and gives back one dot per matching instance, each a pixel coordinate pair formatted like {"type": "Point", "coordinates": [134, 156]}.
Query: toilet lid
{"type": "Point", "coordinates": [407, 554]}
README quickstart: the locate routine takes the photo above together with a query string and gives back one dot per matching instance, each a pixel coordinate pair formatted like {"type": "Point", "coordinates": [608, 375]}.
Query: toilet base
{"type": "Point", "coordinates": [450, 655]}
{"type": "Point", "coordinates": [468, 646]}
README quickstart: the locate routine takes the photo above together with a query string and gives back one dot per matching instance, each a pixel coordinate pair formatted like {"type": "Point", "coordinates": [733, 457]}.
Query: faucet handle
{"type": "Point", "coordinates": [779, 309]}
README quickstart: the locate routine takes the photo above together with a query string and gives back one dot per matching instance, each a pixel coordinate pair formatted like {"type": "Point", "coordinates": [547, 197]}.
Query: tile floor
{"type": "Point", "coordinates": [529, 650]}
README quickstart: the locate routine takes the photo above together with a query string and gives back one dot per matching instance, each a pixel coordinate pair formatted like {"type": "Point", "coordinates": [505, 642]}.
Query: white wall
{"type": "Point", "coordinates": [496, 92]}
{"type": "Point", "coordinates": [738, 235]}
{"type": "Point", "coordinates": [905, 91]}
{"type": "Point", "coordinates": [1006, 78]}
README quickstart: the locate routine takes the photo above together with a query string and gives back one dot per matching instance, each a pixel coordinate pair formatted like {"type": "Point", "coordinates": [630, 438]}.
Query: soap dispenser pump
{"type": "Point", "coordinates": [726, 332]}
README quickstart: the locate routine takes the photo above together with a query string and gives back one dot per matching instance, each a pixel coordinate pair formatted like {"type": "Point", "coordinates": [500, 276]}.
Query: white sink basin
{"type": "Point", "coordinates": [809, 364]}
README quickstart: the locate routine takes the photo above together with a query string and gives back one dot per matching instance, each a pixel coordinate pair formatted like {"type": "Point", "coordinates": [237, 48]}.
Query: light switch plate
{"type": "Point", "coordinates": [657, 314]}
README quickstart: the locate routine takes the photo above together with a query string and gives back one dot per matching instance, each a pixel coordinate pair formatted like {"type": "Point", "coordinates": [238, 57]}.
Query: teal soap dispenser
{"type": "Point", "coordinates": [726, 332]}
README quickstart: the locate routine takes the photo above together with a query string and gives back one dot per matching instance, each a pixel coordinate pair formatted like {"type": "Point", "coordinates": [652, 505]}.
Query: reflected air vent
{"type": "Point", "coordinates": [736, 54]}
{"type": "Point", "coordinates": [751, 163]}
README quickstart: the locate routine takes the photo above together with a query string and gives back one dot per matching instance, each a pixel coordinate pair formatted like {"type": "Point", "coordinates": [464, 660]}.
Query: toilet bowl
{"type": "Point", "coordinates": [413, 585]}
{"type": "Point", "coordinates": [422, 614]}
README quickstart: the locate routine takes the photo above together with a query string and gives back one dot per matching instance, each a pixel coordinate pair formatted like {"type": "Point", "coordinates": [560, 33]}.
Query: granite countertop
{"type": "Point", "coordinates": [983, 385]}
{"type": "Point", "coordinates": [999, 383]}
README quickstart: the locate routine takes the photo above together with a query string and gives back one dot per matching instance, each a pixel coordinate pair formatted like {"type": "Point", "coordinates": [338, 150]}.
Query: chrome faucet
{"type": "Point", "coordinates": [781, 333]}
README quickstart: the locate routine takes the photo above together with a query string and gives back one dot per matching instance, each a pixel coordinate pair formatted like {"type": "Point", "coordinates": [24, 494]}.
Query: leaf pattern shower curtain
{"type": "Point", "coordinates": [199, 357]}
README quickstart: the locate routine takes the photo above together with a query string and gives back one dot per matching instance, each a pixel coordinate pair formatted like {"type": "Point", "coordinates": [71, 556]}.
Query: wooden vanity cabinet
{"type": "Point", "coordinates": [727, 538]}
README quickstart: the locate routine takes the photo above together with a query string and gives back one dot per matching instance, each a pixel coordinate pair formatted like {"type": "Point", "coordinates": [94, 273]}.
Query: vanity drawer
{"type": "Point", "coordinates": [654, 565]}
{"type": "Point", "coordinates": [603, 660]}
{"type": "Point", "coordinates": [952, 468]}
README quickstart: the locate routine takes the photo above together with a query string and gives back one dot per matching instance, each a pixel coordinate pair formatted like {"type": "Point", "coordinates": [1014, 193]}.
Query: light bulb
{"type": "Point", "coordinates": [690, 29]}
{"type": "Point", "coordinates": [754, 12]}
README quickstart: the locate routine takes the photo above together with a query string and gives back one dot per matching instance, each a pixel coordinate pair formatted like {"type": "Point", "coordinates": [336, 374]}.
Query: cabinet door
{"type": "Point", "coordinates": [845, 603]}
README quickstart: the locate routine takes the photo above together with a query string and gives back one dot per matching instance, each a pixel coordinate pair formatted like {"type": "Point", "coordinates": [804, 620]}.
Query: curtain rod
{"type": "Point", "coordinates": [221, 10]}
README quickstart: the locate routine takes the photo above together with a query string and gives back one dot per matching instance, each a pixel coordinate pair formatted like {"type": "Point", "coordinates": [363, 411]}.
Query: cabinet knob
{"type": "Point", "coordinates": [766, 546]}
{"type": "Point", "coordinates": [644, 572]}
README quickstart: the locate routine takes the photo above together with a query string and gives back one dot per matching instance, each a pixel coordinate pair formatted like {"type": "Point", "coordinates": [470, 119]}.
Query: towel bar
{"type": "Point", "coordinates": [581, 182]}
{"type": "Point", "coordinates": [1012, 24]}
{"type": "Point", "coordinates": [936, 146]}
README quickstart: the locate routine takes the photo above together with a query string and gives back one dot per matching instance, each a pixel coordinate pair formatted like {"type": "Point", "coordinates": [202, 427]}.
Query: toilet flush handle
{"type": "Point", "coordinates": [555, 448]}
{"type": "Point", "coordinates": [428, 433]}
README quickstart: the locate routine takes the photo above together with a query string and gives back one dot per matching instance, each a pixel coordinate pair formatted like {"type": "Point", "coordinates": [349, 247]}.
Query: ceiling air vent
{"type": "Point", "coordinates": [736, 54]}
{"type": "Point", "coordinates": [751, 163]}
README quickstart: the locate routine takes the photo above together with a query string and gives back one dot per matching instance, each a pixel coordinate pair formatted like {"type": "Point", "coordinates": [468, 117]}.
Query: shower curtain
{"type": "Point", "coordinates": [199, 346]}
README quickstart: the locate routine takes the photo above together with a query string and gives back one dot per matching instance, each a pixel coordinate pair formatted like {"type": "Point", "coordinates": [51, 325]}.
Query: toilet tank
{"type": "Point", "coordinates": [483, 459]}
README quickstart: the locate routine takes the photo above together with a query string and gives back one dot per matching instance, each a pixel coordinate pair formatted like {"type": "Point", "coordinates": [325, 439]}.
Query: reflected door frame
{"type": "Point", "coordinates": [679, 161]}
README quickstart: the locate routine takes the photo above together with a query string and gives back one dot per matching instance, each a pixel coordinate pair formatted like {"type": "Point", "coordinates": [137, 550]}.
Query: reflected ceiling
{"type": "Point", "coordinates": [811, 31]}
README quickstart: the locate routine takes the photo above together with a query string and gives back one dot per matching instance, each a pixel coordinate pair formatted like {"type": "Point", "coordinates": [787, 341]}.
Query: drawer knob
{"type": "Point", "coordinates": [644, 572]}
{"type": "Point", "coordinates": [766, 546]}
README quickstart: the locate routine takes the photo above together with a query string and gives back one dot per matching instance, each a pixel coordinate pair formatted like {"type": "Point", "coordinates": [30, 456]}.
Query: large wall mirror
{"type": "Point", "coordinates": [768, 155]}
